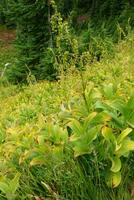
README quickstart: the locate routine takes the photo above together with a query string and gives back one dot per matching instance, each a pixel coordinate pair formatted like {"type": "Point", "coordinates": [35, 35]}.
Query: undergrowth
{"type": "Point", "coordinates": [72, 138]}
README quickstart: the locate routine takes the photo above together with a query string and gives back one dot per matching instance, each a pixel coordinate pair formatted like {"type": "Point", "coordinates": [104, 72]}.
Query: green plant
{"type": "Point", "coordinates": [32, 36]}
{"type": "Point", "coordinates": [103, 131]}
{"type": "Point", "coordinates": [9, 187]}
{"type": "Point", "coordinates": [70, 137]}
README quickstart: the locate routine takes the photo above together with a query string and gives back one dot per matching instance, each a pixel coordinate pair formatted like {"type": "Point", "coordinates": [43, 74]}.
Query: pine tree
{"type": "Point", "coordinates": [3, 7]}
{"type": "Point", "coordinates": [33, 34]}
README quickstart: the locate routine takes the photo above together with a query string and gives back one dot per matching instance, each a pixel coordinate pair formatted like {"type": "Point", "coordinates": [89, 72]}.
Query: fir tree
{"type": "Point", "coordinates": [33, 34]}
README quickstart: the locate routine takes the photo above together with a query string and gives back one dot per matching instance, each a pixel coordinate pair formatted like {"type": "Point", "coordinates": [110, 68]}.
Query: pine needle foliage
{"type": "Point", "coordinates": [32, 35]}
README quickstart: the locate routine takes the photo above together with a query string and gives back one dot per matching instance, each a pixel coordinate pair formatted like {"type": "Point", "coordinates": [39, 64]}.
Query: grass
{"type": "Point", "coordinates": [31, 117]}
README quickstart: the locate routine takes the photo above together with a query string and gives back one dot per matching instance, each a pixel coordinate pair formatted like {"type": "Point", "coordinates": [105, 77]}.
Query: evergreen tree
{"type": "Point", "coordinates": [3, 7]}
{"type": "Point", "coordinates": [33, 34]}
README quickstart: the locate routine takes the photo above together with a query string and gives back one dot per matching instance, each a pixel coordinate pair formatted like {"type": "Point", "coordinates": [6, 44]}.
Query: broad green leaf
{"type": "Point", "coordinates": [91, 134]}
{"type": "Point", "coordinates": [77, 129]}
{"type": "Point", "coordinates": [118, 105]}
{"type": "Point", "coordinates": [130, 102]}
{"type": "Point", "coordinates": [96, 94]}
{"type": "Point", "coordinates": [4, 187]}
{"type": "Point", "coordinates": [59, 135]}
{"type": "Point", "coordinates": [126, 147]}
{"type": "Point", "coordinates": [89, 119]}
{"type": "Point", "coordinates": [123, 135]}
{"type": "Point", "coordinates": [66, 115]}
{"type": "Point", "coordinates": [114, 116]}
{"type": "Point", "coordinates": [108, 91]}
{"type": "Point", "coordinates": [37, 161]}
{"type": "Point", "coordinates": [40, 139]}
{"type": "Point", "coordinates": [100, 118]}
{"type": "Point", "coordinates": [81, 148]}
{"type": "Point", "coordinates": [116, 164]}
{"type": "Point", "coordinates": [113, 179]}
{"type": "Point", "coordinates": [84, 144]}
{"type": "Point", "coordinates": [55, 134]}
{"type": "Point", "coordinates": [80, 111]}
{"type": "Point", "coordinates": [108, 134]}
{"type": "Point", "coordinates": [2, 135]}
{"type": "Point", "coordinates": [109, 111]}
{"type": "Point", "coordinates": [14, 183]}
{"type": "Point", "coordinates": [57, 151]}
{"type": "Point", "coordinates": [130, 119]}
{"type": "Point", "coordinates": [101, 105]}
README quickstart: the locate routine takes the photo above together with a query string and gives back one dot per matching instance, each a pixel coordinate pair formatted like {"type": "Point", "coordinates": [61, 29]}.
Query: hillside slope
{"type": "Point", "coordinates": [34, 121]}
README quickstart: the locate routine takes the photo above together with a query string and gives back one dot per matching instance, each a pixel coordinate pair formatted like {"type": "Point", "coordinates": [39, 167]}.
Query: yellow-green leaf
{"type": "Point", "coordinates": [113, 179]}
{"type": "Point", "coordinates": [81, 148]}
{"type": "Point", "coordinates": [14, 184]}
{"type": "Point", "coordinates": [126, 147]}
{"type": "Point", "coordinates": [123, 134]}
{"type": "Point", "coordinates": [108, 134]}
{"type": "Point", "coordinates": [88, 119]}
{"type": "Point", "coordinates": [77, 129]}
{"type": "Point", "coordinates": [37, 161]}
{"type": "Point", "coordinates": [4, 187]}
{"type": "Point", "coordinates": [116, 164]}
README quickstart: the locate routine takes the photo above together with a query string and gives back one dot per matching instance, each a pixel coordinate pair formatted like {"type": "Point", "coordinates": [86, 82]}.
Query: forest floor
{"type": "Point", "coordinates": [7, 51]}
{"type": "Point", "coordinates": [6, 37]}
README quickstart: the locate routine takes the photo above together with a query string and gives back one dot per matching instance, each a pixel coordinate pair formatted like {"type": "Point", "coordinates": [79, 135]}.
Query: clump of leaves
{"type": "Point", "coordinates": [9, 187]}
{"type": "Point", "coordinates": [107, 130]}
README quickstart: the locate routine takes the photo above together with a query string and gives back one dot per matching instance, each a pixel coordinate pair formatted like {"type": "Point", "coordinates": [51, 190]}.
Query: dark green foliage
{"type": "Point", "coordinates": [3, 7]}
{"type": "Point", "coordinates": [65, 7]}
{"type": "Point", "coordinates": [102, 21]}
{"type": "Point", "coordinates": [33, 35]}
{"type": "Point", "coordinates": [4, 11]}
{"type": "Point", "coordinates": [100, 11]}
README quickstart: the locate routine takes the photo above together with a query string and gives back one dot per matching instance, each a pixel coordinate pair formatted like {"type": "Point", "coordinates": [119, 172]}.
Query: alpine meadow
{"type": "Point", "coordinates": [66, 100]}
